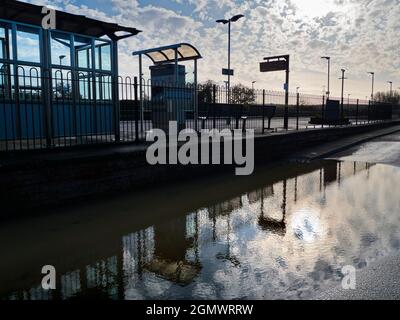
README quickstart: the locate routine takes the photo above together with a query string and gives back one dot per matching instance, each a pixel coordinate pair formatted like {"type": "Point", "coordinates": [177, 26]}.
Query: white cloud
{"type": "Point", "coordinates": [360, 35]}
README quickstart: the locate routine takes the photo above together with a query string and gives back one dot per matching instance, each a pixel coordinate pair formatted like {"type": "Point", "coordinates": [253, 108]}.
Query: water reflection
{"type": "Point", "coordinates": [288, 239]}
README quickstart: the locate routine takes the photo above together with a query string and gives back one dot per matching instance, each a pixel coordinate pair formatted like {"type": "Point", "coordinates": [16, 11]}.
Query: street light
{"type": "Point", "coordinates": [391, 88]}
{"type": "Point", "coordinates": [297, 90]}
{"type": "Point", "coordinates": [329, 75]}
{"type": "Point", "coordinates": [252, 84]}
{"type": "Point", "coordinates": [373, 84]}
{"type": "Point", "coordinates": [342, 100]}
{"type": "Point", "coordinates": [229, 22]}
{"type": "Point", "coordinates": [61, 59]}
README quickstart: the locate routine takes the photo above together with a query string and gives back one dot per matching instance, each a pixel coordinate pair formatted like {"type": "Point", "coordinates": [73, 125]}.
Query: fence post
{"type": "Point", "coordinates": [357, 110]}
{"type": "Point", "coordinates": [214, 102]}
{"type": "Point", "coordinates": [369, 111]}
{"type": "Point", "coordinates": [297, 110]}
{"type": "Point", "coordinates": [136, 109]}
{"type": "Point", "coordinates": [47, 87]}
{"type": "Point", "coordinates": [263, 120]}
{"type": "Point", "coordinates": [323, 110]}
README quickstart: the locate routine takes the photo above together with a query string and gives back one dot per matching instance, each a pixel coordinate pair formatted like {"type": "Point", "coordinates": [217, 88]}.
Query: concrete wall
{"type": "Point", "coordinates": [33, 183]}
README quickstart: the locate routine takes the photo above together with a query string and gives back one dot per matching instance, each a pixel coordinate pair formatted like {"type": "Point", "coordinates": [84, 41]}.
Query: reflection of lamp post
{"type": "Point", "coordinates": [61, 59]}
{"type": "Point", "coordinates": [328, 93]}
{"type": "Point", "coordinates": [229, 22]}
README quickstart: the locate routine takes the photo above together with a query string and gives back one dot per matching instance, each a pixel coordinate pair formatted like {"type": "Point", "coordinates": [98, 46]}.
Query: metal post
{"type": "Point", "coordinates": [214, 102]}
{"type": "Point", "coordinates": [47, 98]}
{"type": "Point", "coordinates": [329, 78]}
{"type": "Point", "coordinates": [263, 125]}
{"type": "Point", "coordinates": [323, 111]}
{"type": "Point", "coordinates": [141, 93]}
{"type": "Point", "coordinates": [286, 122]}
{"type": "Point", "coordinates": [176, 68]}
{"type": "Point", "coordinates": [136, 111]}
{"type": "Point", "coordinates": [342, 100]}
{"type": "Point", "coordinates": [373, 87]}
{"type": "Point", "coordinates": [369, 111]}
{"type": "Point", "coordinates": [297, 111]}
{"type": "Point", "coordinates": [357, 110]}
{"type": "Point", "coordinates": [196, 100]}
{"type": "Point", "coordinates": [229, 62]}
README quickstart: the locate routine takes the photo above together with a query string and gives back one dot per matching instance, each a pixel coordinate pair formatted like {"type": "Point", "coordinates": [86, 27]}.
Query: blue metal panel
{"type": "Point", "coordinates": [7, 123]}
{"type": "Point", "coordinates": [32, 122]}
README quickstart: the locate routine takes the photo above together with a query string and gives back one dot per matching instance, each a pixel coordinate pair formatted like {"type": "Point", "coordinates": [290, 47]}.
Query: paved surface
{"type": "Point", "coordinates": [380, 280]}
{"type": "Point", "coordinates": [383, 150]}
{"type": "Point", "coordinates": [331, 148]}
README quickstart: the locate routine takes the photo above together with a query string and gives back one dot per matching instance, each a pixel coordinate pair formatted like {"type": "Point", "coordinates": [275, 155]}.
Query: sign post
{"type": "Point", "coordinates": [279, 63]}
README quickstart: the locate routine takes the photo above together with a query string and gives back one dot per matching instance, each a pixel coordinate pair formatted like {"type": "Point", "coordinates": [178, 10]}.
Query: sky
{"type": "Point", "coordinates": [360, 36]}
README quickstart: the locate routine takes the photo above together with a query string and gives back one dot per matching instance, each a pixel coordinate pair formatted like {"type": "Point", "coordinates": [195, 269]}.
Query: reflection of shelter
{"type": "Point", "coordinates": [330, 172]}
{"type": "Point", "coordinates": [273, 225]}
{"type": "Point", "coordinates": [171, 102]}
{"type": "Point", "coordinates": [170, 253]}
{"type": "Point", "coordinates": [58, 83]}
{"type": "Point", "coordinates": [225, 208]}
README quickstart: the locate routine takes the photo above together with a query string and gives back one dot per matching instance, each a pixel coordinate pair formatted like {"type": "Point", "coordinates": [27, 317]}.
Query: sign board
{"type": "Point", "coordinates": [228, 72]}
{"type": "Point", "coordinates": [332, 111]}
{"type": "Point", "coordinates": [271, 66]}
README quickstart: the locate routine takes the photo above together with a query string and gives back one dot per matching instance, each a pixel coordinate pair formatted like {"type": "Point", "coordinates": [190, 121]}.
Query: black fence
{"type": "Point", "coordinates": [66, 109]}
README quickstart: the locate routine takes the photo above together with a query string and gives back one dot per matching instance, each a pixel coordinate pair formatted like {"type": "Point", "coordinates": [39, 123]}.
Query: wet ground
{"type": "Point", "coordinates": [284, 233]}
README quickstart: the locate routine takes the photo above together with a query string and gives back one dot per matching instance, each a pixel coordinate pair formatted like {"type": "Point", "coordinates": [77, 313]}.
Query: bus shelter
{"type": "Point", "coordinates": [59, 83]}
{"type": "Point", "coordinates": [170, 91]}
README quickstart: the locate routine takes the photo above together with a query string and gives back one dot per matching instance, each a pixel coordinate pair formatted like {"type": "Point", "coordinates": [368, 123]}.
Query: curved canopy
{"type": "Point", "coordinates": [32, 14]}
{"type": "Point", "coordinates": [177, 52]}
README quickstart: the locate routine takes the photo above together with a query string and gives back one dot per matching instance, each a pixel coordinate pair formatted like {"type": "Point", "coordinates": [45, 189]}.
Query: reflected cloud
{"type": "Point", "coordinates": [287, 239]}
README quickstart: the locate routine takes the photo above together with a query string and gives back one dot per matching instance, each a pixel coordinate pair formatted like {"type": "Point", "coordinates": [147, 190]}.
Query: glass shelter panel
{"type": "Point", "coordinates": [60, 44]}
{"type": "Point", "coordinates": [83, 52]}
{"type": "Point", "coordinates": [28, 44]}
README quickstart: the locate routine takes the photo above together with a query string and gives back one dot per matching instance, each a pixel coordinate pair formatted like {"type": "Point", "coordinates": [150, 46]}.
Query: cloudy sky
{"type": "Point", "coordinates": [359, 35]}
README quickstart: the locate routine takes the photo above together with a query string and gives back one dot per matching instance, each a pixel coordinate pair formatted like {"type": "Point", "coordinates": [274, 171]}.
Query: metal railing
{"type": "Point", "coordinates": [66, 109]}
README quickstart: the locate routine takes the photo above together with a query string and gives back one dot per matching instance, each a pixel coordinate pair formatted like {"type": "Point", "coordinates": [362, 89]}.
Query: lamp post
{"type": "Point", "coordinates": [391, 88]}
{"type": "Point", "coordinates": [342, 100]}
{"type": "Point", "coordinates": [328, 93]}
{"type": "Point", "coordinates": [252, 85]}
{"type": "Point", "coordinates": [373, 84]}
{"type": "Point", "coordinates": [297, 90]}
{"type": "Point", "coordinates": [61, 59]}
{"type": "Point", "coordinates": [229, 22]}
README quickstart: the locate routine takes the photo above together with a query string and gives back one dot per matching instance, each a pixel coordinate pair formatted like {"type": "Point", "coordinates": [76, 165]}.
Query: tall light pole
{"type": "Point", "coordinates": [328, 93]}
{"type": "Point", "coordinates": [391, 88]}
{"type": "Point", "coordinates": [229, 22]}
{"type": "Point", "coordinates": [373, 84]}
{"type": "Point", "coordinates": [342, 100]}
